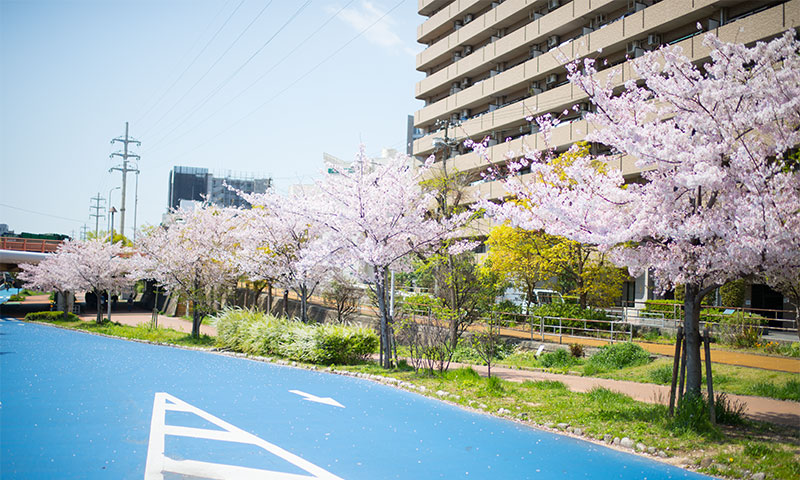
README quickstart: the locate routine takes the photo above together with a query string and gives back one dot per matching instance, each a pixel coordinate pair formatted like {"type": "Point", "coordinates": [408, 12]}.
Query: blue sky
{"type": "Point", "coordinates": [72, 72]}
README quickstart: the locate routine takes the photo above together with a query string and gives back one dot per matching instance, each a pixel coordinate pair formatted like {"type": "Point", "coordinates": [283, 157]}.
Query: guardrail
{"type": "Point", "coordinates": [36, 245]}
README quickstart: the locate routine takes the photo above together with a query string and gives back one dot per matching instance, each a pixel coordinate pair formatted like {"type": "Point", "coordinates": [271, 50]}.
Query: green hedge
{"type": "Point", "coordinates": [616, 356]}
{"type": "Point", "coordinates": [55, 316]}
{"type": "Point", "coordinates": [260, 334]}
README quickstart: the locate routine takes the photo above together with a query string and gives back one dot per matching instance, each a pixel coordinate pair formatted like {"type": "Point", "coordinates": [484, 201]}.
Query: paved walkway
{"type": "Point", "coordinates": [758, 408]}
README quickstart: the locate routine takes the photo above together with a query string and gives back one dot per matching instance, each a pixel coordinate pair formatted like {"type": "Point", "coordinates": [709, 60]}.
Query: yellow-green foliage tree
{"type": "Point", "coordinates": [528, 258]}
{"type": "Point", "coordinates": [519, 256]}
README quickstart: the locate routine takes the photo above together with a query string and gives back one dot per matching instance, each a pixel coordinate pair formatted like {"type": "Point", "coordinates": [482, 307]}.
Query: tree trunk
{"type": "Point", "coordinates": [303, 303]}
{"type": "Point", "coordinates": [196, 320]}
{"type": "Point", "coordinates": [797, 315]}
{"type": "Point", "coordinates": [691, 312]}
{"type": "Point", "coordinates": [99, 319]}
{"type": "Point", "coordinates": [269, 298]}
{"type": "Point", "coordinates": [380, 291]}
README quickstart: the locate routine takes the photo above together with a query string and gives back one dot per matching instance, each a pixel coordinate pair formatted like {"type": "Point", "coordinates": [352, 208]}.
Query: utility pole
{"type": "Point", "coordinates": [84, 228]}
{"type": "Point", "coordinates": [124, 169]}
{"type": "Point", "coordinates": [97, 208]}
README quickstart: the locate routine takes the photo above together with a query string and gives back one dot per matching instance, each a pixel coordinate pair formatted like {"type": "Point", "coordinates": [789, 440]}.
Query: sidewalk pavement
{"type": "Point", "coordinates": [758, 408]}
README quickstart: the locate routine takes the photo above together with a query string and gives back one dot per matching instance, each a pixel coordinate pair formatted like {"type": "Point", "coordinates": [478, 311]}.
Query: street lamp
{"type": "Point", "coordinates": [112, 211]}
{"type": "Point", "coordinates": [111, 219]}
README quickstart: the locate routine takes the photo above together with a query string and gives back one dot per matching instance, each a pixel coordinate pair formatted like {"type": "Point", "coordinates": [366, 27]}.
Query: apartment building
{"type": "Point", "coordinates": [491, 65]}
{"type": "Point", "coordinates": [195, 184]}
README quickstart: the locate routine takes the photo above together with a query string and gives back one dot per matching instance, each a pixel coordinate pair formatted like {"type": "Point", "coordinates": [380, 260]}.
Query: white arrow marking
{"type": "Point", "coordinates": [314, 398]}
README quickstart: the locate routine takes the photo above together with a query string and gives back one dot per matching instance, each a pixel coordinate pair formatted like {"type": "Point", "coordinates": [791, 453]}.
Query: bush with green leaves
{"type": "Point", "coordinates": [256, 333]}
{"type": "Point", "coordinates": [740, 329]}
{"type": "Point", "coordinates": [616, 356]}
{"type": "Point", "coordinates": [561, 358]}
{"type": "Point", "coordinates": [55, 316]}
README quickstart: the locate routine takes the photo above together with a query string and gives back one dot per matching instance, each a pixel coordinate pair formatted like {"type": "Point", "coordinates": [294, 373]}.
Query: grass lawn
{"type": "Point", "coordinates": [730, 450]}
{"type": "Point", "coordinates": [727, 378]}
{"type": "Point", "coordinates": [736, 450]}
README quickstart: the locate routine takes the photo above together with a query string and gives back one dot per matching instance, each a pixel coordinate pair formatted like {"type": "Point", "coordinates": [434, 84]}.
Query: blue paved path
{"type": "Point", "coordinates": [81, 406]}
{"type": "Point", "coordinates": [5, 293]}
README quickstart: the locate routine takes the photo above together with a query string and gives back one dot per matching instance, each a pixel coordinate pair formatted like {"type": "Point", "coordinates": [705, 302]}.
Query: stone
{"type": "Point", "coordinates": [626, 442]}
{"type": "Point", "coordinates": [651, 450]}
{"type": "Point", "coordinates": [503, 411]}
{"type": "Point", "coordinates": [758, 476]}
{"type": "Point", "coordinates": [562, 426]}
{"type": "Point", "coordinates": [615, 441]}
{"type": "Point", "coordinates": [706, 462]}
{"type": "Point", "coordinates": [482, 406]}
{"type": "Point", "coordinates": [570, 429]}
{"type": "Point", "coordinates": [441, 393]}
{"type": "Point", "coordinates": [549, 424]}
{"type": "Point", "coordinates": [641, 447]}
{"type": "Point", "coordinates": [607, 438]}
{"type": "Point", "coordinates": [662, 454]}
{"type": "Point", "coordinates": [522, 416]}
{"type": "Point", "coordinates": [578, 431]}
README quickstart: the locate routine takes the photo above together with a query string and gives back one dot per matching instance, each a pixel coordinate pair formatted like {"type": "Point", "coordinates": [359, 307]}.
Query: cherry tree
{"type": "Point", "coordinates": [375, 216]}
{"type": "Point", "coordinates": [280, 240]}
{"type": "Point", "coordinates": [191, 257]}
{"type": "Point", "coordinates": [93, 265]}
{"type": "Point", "coordinates": [720, 192]}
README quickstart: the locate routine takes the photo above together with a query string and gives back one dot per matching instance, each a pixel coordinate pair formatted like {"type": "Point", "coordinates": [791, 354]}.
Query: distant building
{"type": "Point", "coordinates": [193, 184]}
{"type": "Point", "coordinates": [4, 229]}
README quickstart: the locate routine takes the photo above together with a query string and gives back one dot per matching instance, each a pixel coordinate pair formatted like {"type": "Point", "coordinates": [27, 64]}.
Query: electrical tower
{"type": "Point", "coordinates": [97, 209]}
{"type": "Point", "coordinates": [84, 228]}
{"type": "Point", "coordinates": [124, 169]}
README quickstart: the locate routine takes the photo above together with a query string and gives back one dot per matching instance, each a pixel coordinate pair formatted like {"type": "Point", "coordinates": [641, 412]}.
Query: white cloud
{"type": "Point", "coordinates": [359, 17]}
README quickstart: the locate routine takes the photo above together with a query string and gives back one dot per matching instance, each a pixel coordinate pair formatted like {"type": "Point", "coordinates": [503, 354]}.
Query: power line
{"type": "Point", "coordinates": [40, 213]}
{"type": "Point", "coordinates": [242, 92]}
{"type": "Point", "coordinates": [202, 50]}
{"type": "Point", "coordinates": [301, 77]}
{"type": "Point", "coordinates": [236, 40]}
{"type": "Point", "coordinates": [236, 72]}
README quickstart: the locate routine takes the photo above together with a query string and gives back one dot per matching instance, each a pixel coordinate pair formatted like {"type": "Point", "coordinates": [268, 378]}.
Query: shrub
{"type": "Point", "coordinates": [569, 310]}
{"type": "Point", "coordinates": [260, 334]}
{"type": "Point", "coordinates": [732, 293]}
{"type": "Point", "coordinates": [616, 356]}
{"type": "Point", "coordinates": [576, 350]}
{"type": "Point", "coordinates": [559, 358]}
{"type": "Point", "coordinates": [670, 308]}
{"type": "Point", "coordinates": [741, 329]}
{"type": "Point", "coordinates": [16, 298]}
{"type": "Point", "coordinates": [55, 316]}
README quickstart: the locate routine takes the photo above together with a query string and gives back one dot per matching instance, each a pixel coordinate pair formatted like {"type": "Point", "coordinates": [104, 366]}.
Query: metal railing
{"type": "Point", "coordinates": [37, 245]}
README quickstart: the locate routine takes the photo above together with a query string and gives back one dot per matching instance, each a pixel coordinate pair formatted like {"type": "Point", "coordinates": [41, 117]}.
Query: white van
{"type": "Point", "coordinates": [541, 296]}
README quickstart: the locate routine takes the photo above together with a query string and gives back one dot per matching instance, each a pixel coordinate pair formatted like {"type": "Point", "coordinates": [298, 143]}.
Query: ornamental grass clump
{"type": "Point", "coordinates": [256, 333]}
{"type": "Point", "coordinates": [616, 356]}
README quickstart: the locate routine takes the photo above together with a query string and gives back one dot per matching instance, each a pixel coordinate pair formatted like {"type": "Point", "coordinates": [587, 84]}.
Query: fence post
{"type": "Point", "coordinates": [709, 382]}
{"type": "Point", "coordinates": [541, 326]}
{"type": "Point", "coordinates": [612, 331]}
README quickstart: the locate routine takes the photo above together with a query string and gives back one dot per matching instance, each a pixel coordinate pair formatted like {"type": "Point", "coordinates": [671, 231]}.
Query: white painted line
{"type": "Point", "coordinates": [314, 398]}
{"type": "Point", "coordinates": [158, 463]}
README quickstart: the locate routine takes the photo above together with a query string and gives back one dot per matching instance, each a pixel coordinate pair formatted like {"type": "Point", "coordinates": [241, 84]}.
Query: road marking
{"type": "Point", "coordinates": [314, 398]}
{"type": "Point", "coordinates": [158, 463]}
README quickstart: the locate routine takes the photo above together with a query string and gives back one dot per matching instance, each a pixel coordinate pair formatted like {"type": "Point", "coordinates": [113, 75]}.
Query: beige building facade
{"type": "Point", "coordinates": [490, 66]}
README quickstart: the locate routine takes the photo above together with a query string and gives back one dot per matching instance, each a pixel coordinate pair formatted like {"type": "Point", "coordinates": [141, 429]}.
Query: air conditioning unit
{"type": "Point", "coordinates": [634, 6]}
{"type": "Point", "coordinates": [536, 88]}
{"type": "Point", "coordinates": [468, 18]}
{"type": "Point", "coordinates": [466, 113]}
{"type": "Point", "coordinates": [465, 82]}
{"type": "Point", "coordinates": [535, 51]}
{"type": "Point", "coordinates": [493, 107]}
{"type": "Point", "coordinates": [553, 4]}
{"type": "Point", "coordinates": [551, 79]}
{"type": "Point", "coordinates": [713, 23]}
{"type": "Point", "coordinates": [495, 4]}
{"type": "Point", "coordinates": [584, 107]}
{"type": "Point", "coordinates": [634, 49]}
{"type": "Point", "coordinates": [552, 41]}
{"type": "Point", "coordinates": [535, 15]}
{"type": "Point", "coordinates": [494, 72]}
{"type": "Point", "coordinates": [467, 50]}
{"type": "Point", "coordinates": [586, 30]}
{"type": "Point", "coordinates": [457, 24]}
{"type": "Point", "coordinates": [654, 40]}
{"type": "Point", "coordinates": [454, 118]}
{"type": "Point", "coordinates": [493, 38]}
{"type": "Point", "coordinates": [456, 56]}
{"type": "Point", "coordinates": [599, 20]}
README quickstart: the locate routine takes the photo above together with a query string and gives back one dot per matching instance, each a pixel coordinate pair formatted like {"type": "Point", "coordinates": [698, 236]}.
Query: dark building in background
{"type": "Point", "coordinates": [198, 184]}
